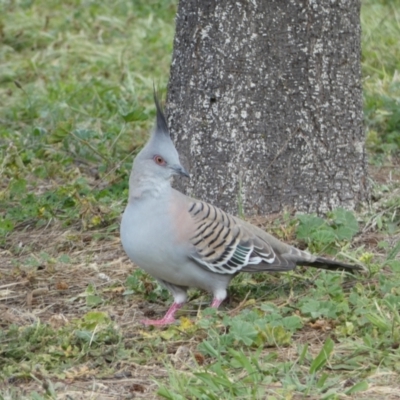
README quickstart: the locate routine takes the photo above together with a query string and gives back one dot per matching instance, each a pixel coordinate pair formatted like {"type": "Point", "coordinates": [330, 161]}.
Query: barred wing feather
{"type": "Point", "coordinates": [224, 246]}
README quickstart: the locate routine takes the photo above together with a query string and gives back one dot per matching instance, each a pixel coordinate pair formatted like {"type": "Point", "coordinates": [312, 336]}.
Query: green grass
{"type": "Point", "coordinates": [381, 71]}
{"type": "Point", "coordinates": [76, 81]}
{"type": "Point", "coordinates": [73, 78]}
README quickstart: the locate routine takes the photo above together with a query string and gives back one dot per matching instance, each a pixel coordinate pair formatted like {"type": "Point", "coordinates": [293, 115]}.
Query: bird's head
{"type": "Point", "coordinates": [159, 157]}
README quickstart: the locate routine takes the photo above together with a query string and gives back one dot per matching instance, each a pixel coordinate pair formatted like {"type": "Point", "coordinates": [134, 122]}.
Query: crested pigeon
{"type": "Point", "coordinates": [183, 242]}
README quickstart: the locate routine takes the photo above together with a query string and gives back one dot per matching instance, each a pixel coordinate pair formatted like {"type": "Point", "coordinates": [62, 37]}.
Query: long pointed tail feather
{"type": "Point", "coordinates": [333, 265]}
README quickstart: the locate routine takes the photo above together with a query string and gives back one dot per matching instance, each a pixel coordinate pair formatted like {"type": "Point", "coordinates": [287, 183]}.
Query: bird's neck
{"type": "Point", "coordinates": [147, 185]}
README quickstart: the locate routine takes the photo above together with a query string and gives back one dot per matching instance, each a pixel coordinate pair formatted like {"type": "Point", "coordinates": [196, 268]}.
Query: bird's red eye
{"type": "Point", "coordinates": [159, 160]}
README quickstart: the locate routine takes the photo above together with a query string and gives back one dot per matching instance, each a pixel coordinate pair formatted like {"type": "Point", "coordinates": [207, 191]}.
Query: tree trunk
{"type": "Point", "coordinates": [265, 103]}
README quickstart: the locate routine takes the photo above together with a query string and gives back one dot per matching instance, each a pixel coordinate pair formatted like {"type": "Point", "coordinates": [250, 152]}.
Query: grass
{"type": "Point", "coordinates": [381, 69]}
{"type": "Point", "coordinates": [75, 106]}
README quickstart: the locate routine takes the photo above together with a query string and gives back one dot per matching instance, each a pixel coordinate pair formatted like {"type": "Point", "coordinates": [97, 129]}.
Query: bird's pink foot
{"type": "Point", "coordinates": [168, 318]}
{"type": "Point", "coordinates": [158, 322]}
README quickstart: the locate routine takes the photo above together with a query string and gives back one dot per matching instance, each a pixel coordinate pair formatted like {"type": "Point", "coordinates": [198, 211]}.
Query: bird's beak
{"type": "Point", "coordinates": [179, 170]}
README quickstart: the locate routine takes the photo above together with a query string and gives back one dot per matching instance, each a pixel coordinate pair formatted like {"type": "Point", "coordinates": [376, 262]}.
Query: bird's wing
{"type": "Point", "coordinates": [226, 245]}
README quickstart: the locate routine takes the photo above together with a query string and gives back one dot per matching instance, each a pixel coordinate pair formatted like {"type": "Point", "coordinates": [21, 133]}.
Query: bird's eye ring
{"type": "Point", "coordinates": [159, 160]}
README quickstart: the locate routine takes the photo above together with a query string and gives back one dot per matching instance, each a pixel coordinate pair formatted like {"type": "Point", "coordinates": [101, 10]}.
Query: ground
{"type": "Point", "coordinates": [39, 289]}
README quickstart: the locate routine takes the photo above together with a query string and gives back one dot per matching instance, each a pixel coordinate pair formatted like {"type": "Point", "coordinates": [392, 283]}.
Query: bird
{"type": "Point", "coordinates": [183, 242]}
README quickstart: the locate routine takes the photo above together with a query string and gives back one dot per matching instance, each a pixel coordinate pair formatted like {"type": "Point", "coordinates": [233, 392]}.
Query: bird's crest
{"type": "Point", "coordinates": [161, 126]}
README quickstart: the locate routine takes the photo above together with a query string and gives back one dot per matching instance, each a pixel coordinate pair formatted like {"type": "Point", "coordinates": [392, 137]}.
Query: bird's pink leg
{"type": "Point", "coordinates": [168, 317]}
{"type": "Point", "coordinates": [216, 303]}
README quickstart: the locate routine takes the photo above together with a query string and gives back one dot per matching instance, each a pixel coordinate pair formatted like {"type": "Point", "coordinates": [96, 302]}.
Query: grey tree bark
{"type": "Point", "coordinates": [265, 103]}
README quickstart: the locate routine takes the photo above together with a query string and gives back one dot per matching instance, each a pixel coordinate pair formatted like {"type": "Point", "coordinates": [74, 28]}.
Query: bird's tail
{"type": "Point", "coordinates": [332, 265]}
